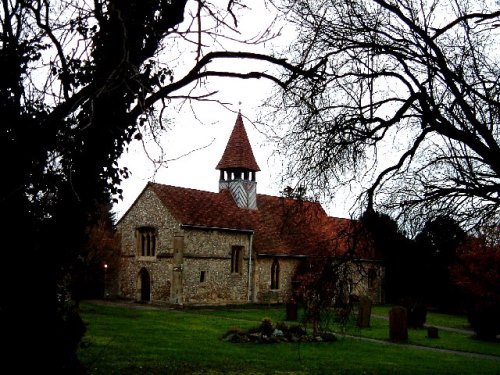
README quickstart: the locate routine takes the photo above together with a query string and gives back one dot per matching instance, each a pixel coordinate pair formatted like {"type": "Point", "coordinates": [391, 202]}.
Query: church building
{"type": "Point", "coordinates": [184, 246]}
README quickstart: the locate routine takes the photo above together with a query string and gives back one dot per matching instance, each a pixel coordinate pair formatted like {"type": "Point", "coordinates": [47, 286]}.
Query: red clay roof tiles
{"type": "Point", "coordinates": [282, 226]}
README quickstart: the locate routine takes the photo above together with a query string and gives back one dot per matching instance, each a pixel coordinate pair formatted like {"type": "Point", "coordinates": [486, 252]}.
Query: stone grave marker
{"type": "Point", "coordinates": [364, 311]}
{"type": "Point", "coordinates": [432, 332]}
{"type": "Point", "coordinates": [398, 324]}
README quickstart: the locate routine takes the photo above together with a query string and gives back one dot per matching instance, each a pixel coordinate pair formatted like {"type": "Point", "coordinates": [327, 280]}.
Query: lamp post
{"type": "Point", "coordinates": [105, 269]}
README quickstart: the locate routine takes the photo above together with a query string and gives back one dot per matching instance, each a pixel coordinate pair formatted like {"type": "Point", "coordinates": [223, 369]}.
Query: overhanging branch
{"type": "Point", "coordinates": [198, 72]}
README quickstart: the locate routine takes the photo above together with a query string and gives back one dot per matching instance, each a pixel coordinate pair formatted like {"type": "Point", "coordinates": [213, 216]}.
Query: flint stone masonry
{"type": "Point", "coordinates": [202, 250]}
{"type": "Point", "coordinates": [202, 247]}
{"type": "Point", "coordinates": [263, 279]}
{"type": "Point", "coordinates": [184, 253]}
{"type": "Point", "coordinates": [148, 211]}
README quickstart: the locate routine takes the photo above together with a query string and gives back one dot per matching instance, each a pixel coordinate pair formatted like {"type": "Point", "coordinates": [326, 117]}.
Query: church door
{"type": "Point", "coordinates": [145, 281]}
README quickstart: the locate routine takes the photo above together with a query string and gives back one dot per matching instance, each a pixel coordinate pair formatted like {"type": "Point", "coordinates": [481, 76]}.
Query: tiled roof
{"type": "Point", "coordinates": [238, 152]}
{"type": "Point", "coordinates": [282, 226]}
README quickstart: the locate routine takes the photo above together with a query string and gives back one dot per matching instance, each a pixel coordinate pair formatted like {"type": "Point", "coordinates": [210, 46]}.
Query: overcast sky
{"type": "Point", "coordinates": [196, 136]}
{"type": "Point", "coordinates": [195, 146]}
{"type": "Point", "coordinates": [195, 143]}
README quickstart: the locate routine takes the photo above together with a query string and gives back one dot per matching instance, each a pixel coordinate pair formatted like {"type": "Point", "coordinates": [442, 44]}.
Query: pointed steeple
{"type": "Point", "coordinates": [238, 167]}
{"type": "Point", "coordinates": [238, 153]}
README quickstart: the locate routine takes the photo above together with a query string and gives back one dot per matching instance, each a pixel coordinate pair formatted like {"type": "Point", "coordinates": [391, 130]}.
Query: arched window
{"type": "Point", "coordinates": [372, 277]}
{"type": "Point", "coordinates": [236, 259]}
{"type": "Point", "coordinates": [146, 241]}
{"type": "Point", "coordinates": [275, 275]}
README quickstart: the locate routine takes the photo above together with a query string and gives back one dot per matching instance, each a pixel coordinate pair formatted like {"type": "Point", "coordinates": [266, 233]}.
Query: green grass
{"type": "Point", "coordinates": [159, 341]}
{"type": "Point", "coordinates": [433, 318]}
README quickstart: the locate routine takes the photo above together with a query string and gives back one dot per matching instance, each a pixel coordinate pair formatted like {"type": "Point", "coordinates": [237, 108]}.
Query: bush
{"type": "Point", "coordinates": [282, 326]}
{"type": "Point", "coordinates": [266, 327]}
{"type": "Point", "coordinates": [416, 312]}
{"type": "Point", "coordinates": [297, 330]}
{"type": "Point", "coordinates": [265, 333]}
{"type": "Point", "coordinates": [484, 318]}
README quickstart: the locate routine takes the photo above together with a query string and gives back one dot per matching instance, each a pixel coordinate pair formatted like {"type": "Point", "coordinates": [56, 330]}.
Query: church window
{"type": "Point", "coordinates": [203, 276]}
{"type": "Point", "coordinates": [372, 277]}
{"type": "Point", "coordinates": [146, 241]}
{"type": "Point", "coordinates": [236, 259]}
{"type": "Point", "coordinates": [275, 275]}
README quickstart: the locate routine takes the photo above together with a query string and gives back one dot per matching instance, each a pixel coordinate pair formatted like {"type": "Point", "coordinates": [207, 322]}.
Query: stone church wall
{"type": "Point", "coordinates": [147, 211]}
{"type": "Point", "coordinates": [207, 251]}
{"type": "Point", "coordinates": [200, 273]}
{"type": "Point", "coordinates": [264, 293]}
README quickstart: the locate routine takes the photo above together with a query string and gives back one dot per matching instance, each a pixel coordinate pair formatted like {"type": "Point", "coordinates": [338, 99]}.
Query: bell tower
{"type": "Point", "coordinates": [238, 168]}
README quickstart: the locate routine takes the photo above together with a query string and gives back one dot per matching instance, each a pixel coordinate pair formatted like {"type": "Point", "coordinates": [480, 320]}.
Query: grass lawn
{"type": "Point", "coordinates": [123, 340]}
{"type": "Point", "coordinates": [433, 318]}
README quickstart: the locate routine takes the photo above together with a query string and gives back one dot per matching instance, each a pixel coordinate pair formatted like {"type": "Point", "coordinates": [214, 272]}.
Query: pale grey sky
{"type": "Point", "coordinates": [206, 127]}
{"type": "Point", "coordinates": [195, 146]}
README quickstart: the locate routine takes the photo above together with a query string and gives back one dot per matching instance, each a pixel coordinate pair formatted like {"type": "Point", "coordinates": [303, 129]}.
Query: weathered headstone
{"type": "Point", "coordinates": [398, 324]}
{"type": "Point", "coordinates": [291, 310]}
{"type": "Point", "coordinates": [432, 332]}
{"type": "Point", "coordinates": [364, 311]}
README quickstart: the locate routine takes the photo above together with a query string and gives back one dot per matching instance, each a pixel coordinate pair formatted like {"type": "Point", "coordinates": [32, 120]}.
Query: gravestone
{"type": "Point", "coordinates": [432, 332]}
{"type": "Point", "coordinates": [364, 311]}
{"type": "Point", "coordinates": [398, 324]}
{"type": "Point", "coordinates": [291, 310]}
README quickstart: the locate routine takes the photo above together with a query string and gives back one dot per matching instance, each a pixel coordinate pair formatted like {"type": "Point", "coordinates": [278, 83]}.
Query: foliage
{"type": "Point", "coordinates": [477, 270]}
{"type": "Point", "coordinates": [323, 288]}
{"type": "Point", "coordinates": [94, 272]}
{"type": "Point", "coordinates": [407, 107]}
{"type": "Point", "coordinates": [402, 273]}
{"type": "Point", "coordinates": [476, 274]}
{"type": "Point", "coordinates": [81, 80]}
{"type": "Point", "coordinates": [439, 238]}
{"type": "Point", "coordinates": [436, 247]}
{"type": "Point", "coordinates": [266, 326]}
{"type": "Point", "coordinates": [417, 270]}
{"type": "Point", "coordinates": [484, 318]}
{"type": "Point", "coordinates": [269, 333]}
{"type": "Point", "coordinates": [416, 311]}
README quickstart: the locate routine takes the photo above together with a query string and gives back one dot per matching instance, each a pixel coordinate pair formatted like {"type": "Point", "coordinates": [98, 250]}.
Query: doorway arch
{"type": "Point", "coordinates": [144, 285]}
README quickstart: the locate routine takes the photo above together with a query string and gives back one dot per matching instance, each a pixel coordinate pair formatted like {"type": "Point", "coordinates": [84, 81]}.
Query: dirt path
{"type": "Point", "coordinates": [428, 348]}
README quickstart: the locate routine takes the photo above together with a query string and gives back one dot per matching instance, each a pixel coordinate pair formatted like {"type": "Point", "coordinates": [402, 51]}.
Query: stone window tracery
{"type": "Point", "coordinates": [146, 241]}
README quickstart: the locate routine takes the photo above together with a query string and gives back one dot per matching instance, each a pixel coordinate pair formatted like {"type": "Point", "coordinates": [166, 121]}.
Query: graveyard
{"type": "Point", "coordinates": [140, 339]}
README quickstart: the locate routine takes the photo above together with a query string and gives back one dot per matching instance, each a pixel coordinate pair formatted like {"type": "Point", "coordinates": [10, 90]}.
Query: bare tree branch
{"type": "Point", "coordinates": [415, 77]}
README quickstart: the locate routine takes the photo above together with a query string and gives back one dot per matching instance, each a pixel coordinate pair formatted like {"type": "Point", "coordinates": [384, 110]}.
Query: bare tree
{"type": "Point", "coordinates": [81, 79]}
{"type": "Point", "coordinates": [408, 104]}
{"type": "Point", "coordinates": [332, 277]}
{"type": "Point", "coordinates": [324, 285]}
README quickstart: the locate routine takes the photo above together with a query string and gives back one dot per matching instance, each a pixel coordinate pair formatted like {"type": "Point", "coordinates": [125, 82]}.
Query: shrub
{"type": "Point", "coordinates": [282, 326]}
{"type": "Point", "coordinates": [484, 318]}
{"type": "Point", "coordinates": [297, 330]}
{"type": "Point", "coordinates": [266, 327]}
{"type": "Point", "coordinates": [416, 312]}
